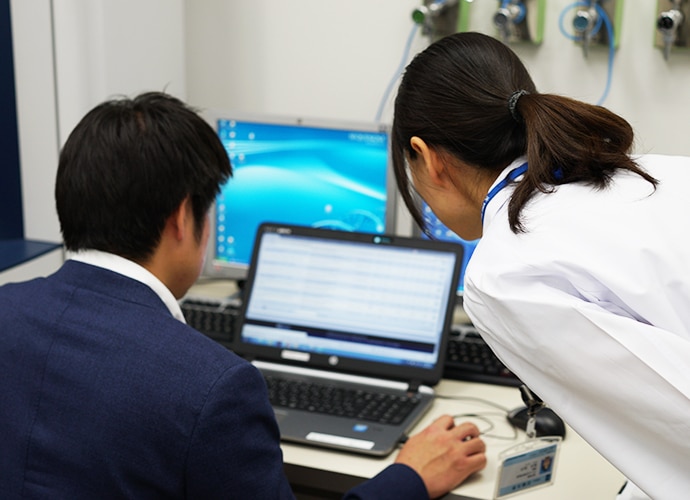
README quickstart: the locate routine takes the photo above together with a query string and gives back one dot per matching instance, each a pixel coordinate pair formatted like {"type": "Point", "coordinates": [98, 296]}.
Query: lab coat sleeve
{"type": "Point", "coordinates": [623, 385]}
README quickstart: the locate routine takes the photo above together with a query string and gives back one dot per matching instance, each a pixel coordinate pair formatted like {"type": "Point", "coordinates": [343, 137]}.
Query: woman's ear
{"type": "Point", "coordinates": [429, 160]}
{"type": "Point", "coordinates": [419, 146]}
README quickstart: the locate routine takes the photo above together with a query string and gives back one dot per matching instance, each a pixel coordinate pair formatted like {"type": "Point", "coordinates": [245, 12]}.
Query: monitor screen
{"type": "Point", "coordinates": [439, 231]}
{"type": "Point", "coordinates": [328, 174]}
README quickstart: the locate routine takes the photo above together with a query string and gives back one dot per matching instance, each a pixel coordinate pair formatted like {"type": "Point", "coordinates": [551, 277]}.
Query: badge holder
{"type": "Point", "coordinates": [532, 463]}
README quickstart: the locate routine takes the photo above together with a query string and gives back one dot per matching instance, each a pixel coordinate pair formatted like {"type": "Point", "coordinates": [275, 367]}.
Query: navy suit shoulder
{"type": "Point", "coordinates": [108, 395]}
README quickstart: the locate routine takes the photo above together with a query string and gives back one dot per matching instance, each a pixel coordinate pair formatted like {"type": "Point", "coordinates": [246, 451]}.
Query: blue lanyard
{"type": "Point", "coordinates": [512, 175]}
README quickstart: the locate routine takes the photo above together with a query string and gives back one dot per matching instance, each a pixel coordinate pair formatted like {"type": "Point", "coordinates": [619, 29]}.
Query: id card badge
{"type": "Point", "coordinates": [528, 465]}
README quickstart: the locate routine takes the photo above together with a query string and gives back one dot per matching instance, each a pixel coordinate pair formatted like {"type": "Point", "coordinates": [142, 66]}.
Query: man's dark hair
{"type": "Point", "coordinates": [128, 165]}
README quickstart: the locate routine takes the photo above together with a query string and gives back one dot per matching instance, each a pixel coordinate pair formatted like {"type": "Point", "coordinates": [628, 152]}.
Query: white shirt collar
{"type": "Point", "coordinates": [134, 271]}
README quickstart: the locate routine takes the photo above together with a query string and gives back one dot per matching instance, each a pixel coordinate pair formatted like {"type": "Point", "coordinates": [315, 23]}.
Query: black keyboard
{"type": "Point", "coordinates": [333, 400]}
{"type": "Point", "coordinates": [214, 318]}
{"type": "Point", "coordinates": [469, 358]}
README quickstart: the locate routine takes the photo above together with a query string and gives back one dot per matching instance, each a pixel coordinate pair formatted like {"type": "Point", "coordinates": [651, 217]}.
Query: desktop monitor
{"type": "Point", "coordinates": [438, 231]}
{"type": "Point", "coordinates": [317, 173]}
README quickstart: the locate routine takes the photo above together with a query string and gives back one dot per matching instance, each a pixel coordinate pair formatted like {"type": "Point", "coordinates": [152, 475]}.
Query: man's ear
{"type": "Point", "coordinates": [179, 219]}
{"type": "Point", "coordinates": [430, 160]}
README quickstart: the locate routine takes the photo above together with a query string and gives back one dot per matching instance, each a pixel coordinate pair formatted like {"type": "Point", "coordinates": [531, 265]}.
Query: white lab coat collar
{"type": "Point", "coordinates": [132, 270]}
{"type": "Point", "coordinates": [502, 196]}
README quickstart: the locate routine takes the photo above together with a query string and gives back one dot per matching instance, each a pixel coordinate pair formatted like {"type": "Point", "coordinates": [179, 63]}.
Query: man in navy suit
{"type": "Point", "coordinates": [105, 392]}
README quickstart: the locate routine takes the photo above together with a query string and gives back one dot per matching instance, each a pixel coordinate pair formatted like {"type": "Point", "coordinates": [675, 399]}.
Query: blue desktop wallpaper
{"type": "Point", "coordinates": [320, 177]}
{"type": "Point", "coordinates": [439, 231]}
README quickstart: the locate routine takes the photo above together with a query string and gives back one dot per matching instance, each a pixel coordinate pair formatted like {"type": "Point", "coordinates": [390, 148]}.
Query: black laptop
{"type": "Point", "coordinates": [341, 322]}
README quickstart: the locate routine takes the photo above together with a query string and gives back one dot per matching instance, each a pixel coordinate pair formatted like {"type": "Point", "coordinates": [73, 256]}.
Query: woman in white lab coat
{"type": "Point", "coordinates": [581, 280]}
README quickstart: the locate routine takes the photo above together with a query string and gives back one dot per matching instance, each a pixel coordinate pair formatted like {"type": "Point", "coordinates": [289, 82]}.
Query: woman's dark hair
{"type": "Point", "coordinates": [128, 165]}
{"type": "Point", "coordinates": [454, 95]}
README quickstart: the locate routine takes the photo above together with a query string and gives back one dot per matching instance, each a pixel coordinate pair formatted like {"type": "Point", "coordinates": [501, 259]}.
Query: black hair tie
{"type": "Point", "coordinates": [512, 103]}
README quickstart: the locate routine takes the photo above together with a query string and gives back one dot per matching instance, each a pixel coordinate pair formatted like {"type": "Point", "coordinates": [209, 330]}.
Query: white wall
{"type": "Point", "coordinates": [36, 115]}
{"type": "Point", "coordinates": [314, 58]}
{"type": "Point", "coordinates": [322, 58]}
{"type": "Point", "coordinates": [71, 55]}
{"type": "Point", "coordinates": [106, 48]}
{"type": "Point", "coordinates": [335, 58]}
{"type": "Point", "coordinates": [311, 58]}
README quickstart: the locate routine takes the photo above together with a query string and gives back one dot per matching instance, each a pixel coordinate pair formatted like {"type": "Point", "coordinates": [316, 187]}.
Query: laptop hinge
{"type": "Point", "coordinates": [413, 386]}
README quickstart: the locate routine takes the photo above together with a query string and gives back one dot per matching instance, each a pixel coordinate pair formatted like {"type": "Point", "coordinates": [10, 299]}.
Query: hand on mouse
{"type": "Point", "coordinates": [444, 454]}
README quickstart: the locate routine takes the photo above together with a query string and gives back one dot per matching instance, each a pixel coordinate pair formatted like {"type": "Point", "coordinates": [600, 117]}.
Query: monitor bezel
{"type": "Point", "coordinates": [218, 269]}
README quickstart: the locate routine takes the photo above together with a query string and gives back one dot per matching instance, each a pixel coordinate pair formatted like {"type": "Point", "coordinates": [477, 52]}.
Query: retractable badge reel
{"type": "Point", "coordinates": [532, 463]}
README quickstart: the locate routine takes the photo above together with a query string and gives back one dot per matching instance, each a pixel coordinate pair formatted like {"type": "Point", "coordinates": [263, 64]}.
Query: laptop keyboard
{"type": "Point", "coordinates": [213, 318]}
{"type": "Point", "coordinates": [469, 358]}
{"type": "Point", "coordinates": [333, 400]}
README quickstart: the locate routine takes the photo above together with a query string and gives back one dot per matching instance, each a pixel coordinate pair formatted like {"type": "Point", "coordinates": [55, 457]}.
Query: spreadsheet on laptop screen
{"type": "Point", "coordinates": [349, 299]}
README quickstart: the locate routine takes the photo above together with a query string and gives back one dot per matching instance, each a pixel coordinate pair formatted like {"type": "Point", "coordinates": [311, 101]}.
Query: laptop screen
{"type": "Point", "coordinates": [351, 300]}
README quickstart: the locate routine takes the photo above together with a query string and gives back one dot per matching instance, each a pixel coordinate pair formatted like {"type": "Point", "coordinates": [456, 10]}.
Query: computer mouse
{"type": "Point", "coordinates": [548, 423]}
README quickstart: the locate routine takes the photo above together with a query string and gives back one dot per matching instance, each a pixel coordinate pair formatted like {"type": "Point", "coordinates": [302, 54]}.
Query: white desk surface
{"type": "Point", "coordinates": [581, 472]}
